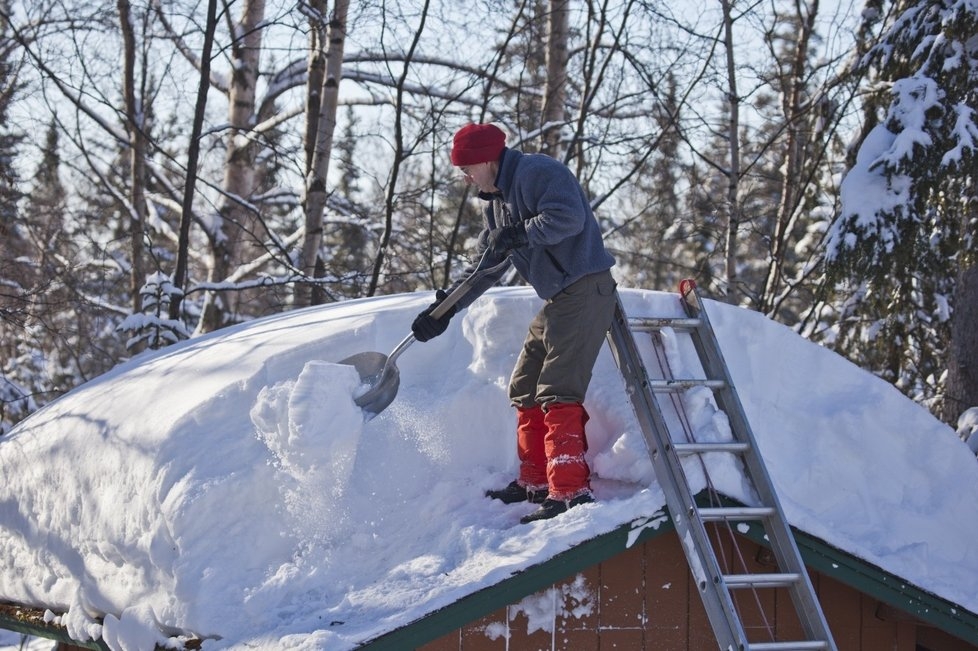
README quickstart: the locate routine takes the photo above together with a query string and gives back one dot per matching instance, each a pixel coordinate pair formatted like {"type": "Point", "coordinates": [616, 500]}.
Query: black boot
{"type": "Point", "coordinates": [516, 493]}
{"type": "Point", "coordinates": [552, 508]}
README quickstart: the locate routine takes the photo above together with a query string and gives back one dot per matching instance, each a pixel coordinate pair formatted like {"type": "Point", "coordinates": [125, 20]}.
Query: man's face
{"type": "Point", "coordinates": [482, 175]}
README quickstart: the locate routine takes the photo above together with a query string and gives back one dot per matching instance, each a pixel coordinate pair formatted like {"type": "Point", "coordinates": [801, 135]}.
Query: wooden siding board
{"type": "Point", "coordinates": [521, 637]}
{"type": "Point", "coordinates": [622, 639]}
{"type": "Point", "coordinates": [575, 639]}
{"type": "Point", "coordinates": [622, 589]}
{"type": "Point", "coordinates": [700, 634]}
{"type": "Point", "coordinates": [788, 625]}
{"type": "Point", "coordinates": [906, 637]}
{"type": "Point", "coordinates": [876, 634]}
{"type": "Point", "coordinates": [758, 609]}
{"type": "Point", "coordinates": [701, 637]}
{"type": "Point", "coordinates": [663, 637]}
{"type": "Point", "coordinates": [842, 611]}
{"type": "Point", "coordinates": [668, 592]}
{"type": "Point", "coordinates": [473, 636]}
{"type": "Point", "coordinates": [581, 606]}
{"type": "Point", "coordinates": [933, 639]}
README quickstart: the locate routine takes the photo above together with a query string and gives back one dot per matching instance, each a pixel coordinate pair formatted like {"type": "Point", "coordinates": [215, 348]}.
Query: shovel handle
{"type": "Point", "coordinates": [482, 270]}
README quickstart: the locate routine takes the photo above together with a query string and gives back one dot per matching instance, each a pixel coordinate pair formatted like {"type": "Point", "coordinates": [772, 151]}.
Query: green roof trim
{"type": "Point", "coordinates": [30, 621]}
{"type": "Point", "coordinates": [817, 555]}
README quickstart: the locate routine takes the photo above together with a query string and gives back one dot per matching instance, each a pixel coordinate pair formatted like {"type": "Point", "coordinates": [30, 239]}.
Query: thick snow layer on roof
{"type": "Point", "coordinates": [229, 486]}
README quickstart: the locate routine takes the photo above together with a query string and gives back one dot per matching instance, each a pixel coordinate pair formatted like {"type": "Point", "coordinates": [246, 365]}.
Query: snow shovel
{"type": "Point", "coordinates": [380, 371]}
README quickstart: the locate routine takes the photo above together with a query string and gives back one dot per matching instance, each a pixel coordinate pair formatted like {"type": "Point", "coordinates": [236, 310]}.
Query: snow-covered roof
{"type": "Point", "coordinates": [228, 487]}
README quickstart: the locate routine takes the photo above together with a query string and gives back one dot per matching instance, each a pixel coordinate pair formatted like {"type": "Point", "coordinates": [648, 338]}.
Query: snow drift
{"type": "Point", "coordinates": [228, 487]}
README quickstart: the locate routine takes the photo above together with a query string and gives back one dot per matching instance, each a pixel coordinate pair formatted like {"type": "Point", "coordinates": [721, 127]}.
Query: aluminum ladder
{"type": "Point", "coordinates": [667, 452]}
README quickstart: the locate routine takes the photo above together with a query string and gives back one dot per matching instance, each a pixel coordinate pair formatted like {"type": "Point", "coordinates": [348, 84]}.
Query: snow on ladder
{"type": "Point", "coordinates": [716, 584]}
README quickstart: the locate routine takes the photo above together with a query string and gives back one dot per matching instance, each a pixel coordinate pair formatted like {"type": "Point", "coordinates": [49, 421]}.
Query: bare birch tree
{"type": "Point", "coordinates": [555, 96]}
{"type": "Point", "coordinates": [325, 72]}
{"type": "Point", "coordinates": [240, 225]}
{"type": "Point", "coordinates": [135, 112]}
{"type": "Point", "coordinates": [732, 204]}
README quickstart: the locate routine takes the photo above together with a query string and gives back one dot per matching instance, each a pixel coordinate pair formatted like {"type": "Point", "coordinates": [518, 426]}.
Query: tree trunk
{"type": "Point", "coordinates": [193, 156]}
{"type": "Point", "coordinates": [238, 220]}
{"type": "Point", "coordinates": [135, 127]}
{"type": "Point", "coordinates": [554, 99]}
{"type": "Point", "coordinates": [961, 390]}
{"type": "Point", "coordinates": [733, 173]}
{"type": "Point", "coordinates": [325, 127]}
{"type": "Point", "coordinates": [315, 71]}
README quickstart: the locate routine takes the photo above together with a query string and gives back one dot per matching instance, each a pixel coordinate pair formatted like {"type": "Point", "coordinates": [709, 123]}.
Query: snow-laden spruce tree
{"type": "Point", "coordinates": [904, 242]}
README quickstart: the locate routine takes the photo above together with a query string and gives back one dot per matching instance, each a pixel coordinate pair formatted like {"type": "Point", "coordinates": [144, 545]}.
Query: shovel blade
{"type": "Point", "coordinates": [383, 380]}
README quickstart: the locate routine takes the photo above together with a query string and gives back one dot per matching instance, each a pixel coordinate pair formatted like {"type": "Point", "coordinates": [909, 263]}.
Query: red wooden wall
{"type": "Point", "coordinates": [645, 599]}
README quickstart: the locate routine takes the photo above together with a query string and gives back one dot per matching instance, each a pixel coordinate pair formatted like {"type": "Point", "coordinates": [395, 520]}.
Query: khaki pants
{"type": "Point", "coordinates": [563, 343]}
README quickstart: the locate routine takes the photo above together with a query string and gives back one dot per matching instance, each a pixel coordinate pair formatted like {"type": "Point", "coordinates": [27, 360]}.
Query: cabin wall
{"type": "Point", "coordinates": [645, 599]}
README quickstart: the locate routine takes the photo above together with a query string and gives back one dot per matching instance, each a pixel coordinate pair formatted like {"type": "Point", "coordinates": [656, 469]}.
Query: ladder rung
{"type": "Point", "coordinates": [804, 645]}
{"type": "Point", "coordinates": [698, 448]}
{"type": "Point", "coordinates": [648, 324]}
{"type": "Point", "coordinates": [735, 581]}
{"type": "Point", "coordinates": [718, 514]}
{"type": "Point", "coordinates": [682, 385]}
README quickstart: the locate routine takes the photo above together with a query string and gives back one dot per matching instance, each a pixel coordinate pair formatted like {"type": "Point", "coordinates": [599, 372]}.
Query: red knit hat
{"type": "Point", "coordinates": [477, 143]}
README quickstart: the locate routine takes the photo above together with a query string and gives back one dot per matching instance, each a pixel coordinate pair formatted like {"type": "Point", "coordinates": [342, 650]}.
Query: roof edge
{"type": "Point", "coordinates": [817, 554]}
{"type": "Point", "coordinates": [30, 621]}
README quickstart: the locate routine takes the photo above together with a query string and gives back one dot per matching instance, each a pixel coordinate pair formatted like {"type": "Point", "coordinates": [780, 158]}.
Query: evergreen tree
{"type": "Point", "coordinates": [67, 334]}
{"type": "Point", "coordinates": [15, 287]}
{"type": "Point", "coordinates": [10, 141]}
{"type": "Point", "coordinates": [903, 248]}
{"type": "Point", "coordinates": [30, 334]}
{"type": "Point", "coordinates": [345, 233]}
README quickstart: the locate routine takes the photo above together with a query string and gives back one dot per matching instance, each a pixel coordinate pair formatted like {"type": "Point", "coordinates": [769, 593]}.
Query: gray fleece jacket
{"type": "Point", "coordinates": [564, 238]}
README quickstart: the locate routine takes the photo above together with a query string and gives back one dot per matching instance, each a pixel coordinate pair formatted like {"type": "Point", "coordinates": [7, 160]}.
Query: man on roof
{"type": "Point", "coordinates": [538, 215]}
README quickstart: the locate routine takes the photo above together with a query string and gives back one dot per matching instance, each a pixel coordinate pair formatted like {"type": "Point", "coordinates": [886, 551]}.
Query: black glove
{"type": "Point", "coordinates": [426, 327]}
{"type": "Point", "coordinates": [504, 239]}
